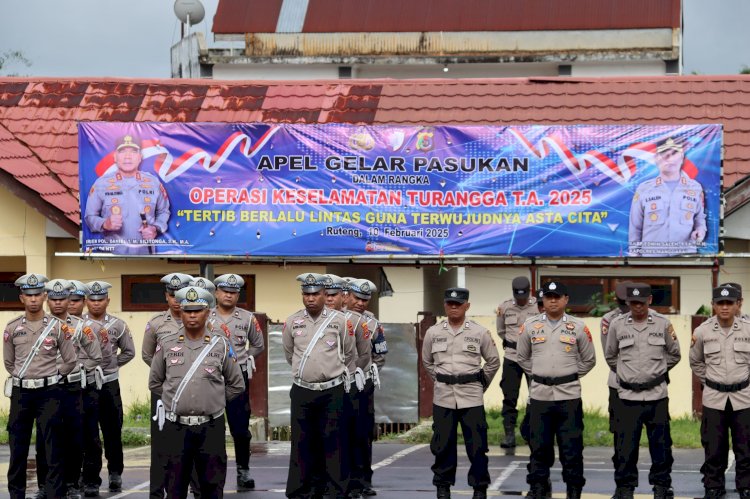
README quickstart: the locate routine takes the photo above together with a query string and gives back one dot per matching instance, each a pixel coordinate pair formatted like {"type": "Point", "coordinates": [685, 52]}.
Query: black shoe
{"type": "Point", "coordinates": [40, 494]}
{"type": "Point", "coordinates": [480, 494]}
{"type": "Point", "coordinates": [91, 490]}
{"type": "Point", "coordinates": [73, 492]}
{"type": "Point", "coordinates": [244, 480]}
{"type": "Point", "coordinates": [662, 492]}
{"type": "Point", "coordinates": [443, 492]}
{"type": "Point", "coordinates": [355, 494]}
{"type": "Point", "coordinates": [540, 491]}
{"type": "Point", "coordinates": [573, 493]}
{"type": "Point", "coordinates": [720, 493]}
{"type": "Point", "coordinates": [115, 482]}
{"type": "Point", "coordinates": [368, 491]}
{"type": "Point", "coordinates": [623, 493]}
{"type": "Point", "coordinates": [509, 441]}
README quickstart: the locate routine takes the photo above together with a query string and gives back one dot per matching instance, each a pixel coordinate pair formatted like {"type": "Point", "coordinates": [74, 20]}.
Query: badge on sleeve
{"type": "Point", "coordinates": [588, 333]}
{"type": "Point", "coordinates": [692, 340]}
{"type": "Point", "coordinates": [672, 332]}
{"type": "Point", "coordinates": [6, 336]}
{"type": "Point", "coordinates": [366, 331]}
{"type": "Point", "coordinates": [349, 328]}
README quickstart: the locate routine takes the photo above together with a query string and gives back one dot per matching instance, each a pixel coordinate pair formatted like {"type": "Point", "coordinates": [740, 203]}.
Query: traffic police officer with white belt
{"type": "Point", "coordinates": [196, 374]}
{"type": "Point", "coordinates": [720, 358]}
{"type": "Point", "coordinates": [31, 344]}
{"type": "Point", "coordinates": [115, 336]}
{"type": "Point", "coordinates": [89, 356]}
{"type": "Point", "coordinates": [452, 354]}
{"type": "Point", "coordinates": [318, 343]}
{"type": "Point", "coordinates": [642, 346]}
{"type": "Point", "coordinates": [242, 330]}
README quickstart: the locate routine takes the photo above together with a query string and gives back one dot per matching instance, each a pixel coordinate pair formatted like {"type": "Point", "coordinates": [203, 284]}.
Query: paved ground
{"type": "Point", "coordinates": [403, 471]}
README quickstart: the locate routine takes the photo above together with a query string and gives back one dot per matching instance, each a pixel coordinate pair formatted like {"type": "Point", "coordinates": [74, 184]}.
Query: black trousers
{"type": "Point", "coordinates": [91, 444]}
{"type": "Point", "coordinates": [319, 438]}
{"type": "Point", "coordinates": [238, 417]}
{"type": "Point", "coordinates": [715, 427]}
{"type": "Point", "coordinates": [614, 411]}
{"type": "Point", "coordinates": [202, 447]}
{"type": "Point", "coordinates": [110, 420]}
{"type": "Point", "coordinates": [561, 420]}
{"type": "Point", "coordinates": [510, 384]}
{"type": "Point", "coordinates": [71, 424]}
{"type": "Point", "coordinates": [444, 442]}
{"type": "Point", "coordinates": [363, 419]}
{"type": "Point", "coordinates": [43, 406]}
{"type": "Point", "coordinates": [157, 466]}
{"type": "Point", "coordinates": [634, 415]}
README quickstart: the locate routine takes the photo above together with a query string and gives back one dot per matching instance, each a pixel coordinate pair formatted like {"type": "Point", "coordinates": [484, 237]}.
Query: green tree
{"type": "Point", "coordinates": [10, 59]}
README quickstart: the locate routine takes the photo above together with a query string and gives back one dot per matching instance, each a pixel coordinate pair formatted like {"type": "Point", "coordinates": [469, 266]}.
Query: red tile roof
{"type": "Point", "coordinates": [388, 16]}
{"type": "Point", "coordinates": [38, 117]}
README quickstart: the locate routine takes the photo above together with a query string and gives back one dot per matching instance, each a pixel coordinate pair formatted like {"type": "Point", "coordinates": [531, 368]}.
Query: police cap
{"type": "Point", "coordinates": [668, 145]}
{"type": "Point", "coordinates": [621, 289]}
{"type": "Point", "coordinates": [98, 290]}
{"type": "Point", "coordinates": [231, 283]}
{"type": "Point", "coordinates": [334, 284]}
{"type": "Point", "coordinates": [456, 295]}
{"type": "Point", "coordinates": [193, 298]}
{"type": "Point", "coordinates": [521, 287]}
{"type": "Point", "coordinates": [726, 293]}
{"type": "Point", "coordinates": [638, 291]}
{"type": "Point", "coordinates": [31, 284]}
{"type": "Point", "coordinates": [78, 290]}
{"type": "Point", "coordinates": [735, 285]}
{"type": "Point", "coordinates": [362, 288]}
{"type": "Point", "coordinates": [128, 141]}
{"type": "Point", "coordinates": [554, 288]}
{"type": "Point", "coordinates": [311, 282]}
{"type": "Point", "coordinates": [176, 281]}
{"type": "Point", "coordinates": [58, 289]}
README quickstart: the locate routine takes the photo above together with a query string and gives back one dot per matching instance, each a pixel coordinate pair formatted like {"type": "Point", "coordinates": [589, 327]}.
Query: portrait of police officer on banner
{"type": "Point", "coordinates": [127, 206]}
{"type": "Point", "coordinates": [667, 215]}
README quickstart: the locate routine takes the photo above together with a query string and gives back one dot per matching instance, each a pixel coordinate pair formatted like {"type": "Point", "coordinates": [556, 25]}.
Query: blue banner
{"type": "Point", "coordinates": [250, 189]}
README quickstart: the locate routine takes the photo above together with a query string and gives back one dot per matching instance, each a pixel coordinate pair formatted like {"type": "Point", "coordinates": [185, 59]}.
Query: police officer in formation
{"type": "Point", "coordinates": [117, 350]}
{"type": "Point", "coordinates": [31, 345]}
{"type": "Point", "coordinates": [555, 350]}
{"type": "Point", "coordinates": [243, 332]}
{"type": "Point", "coordinates": [511, 314]}
{"type": "Point", "coordinates": [642, 347]}
{"type": "Point", "coordinates": [89, 355]}
{"type": "Point", "coordinates": [720, 358]}
{"type": "Point", "coordinates": [319, 345]}
{"type": "Point", "coordinates": [126, 205]}
{"type": "Point", "coordinates": [195, 373]}
{"type": "Point", "coordinates": [614, 399]}
{"type": "Point", "coordinates": [159, 326]}
{"type": "Point", "coordinates": [371, 358]}
{"type": "Point", "coordinates": [452, 355]}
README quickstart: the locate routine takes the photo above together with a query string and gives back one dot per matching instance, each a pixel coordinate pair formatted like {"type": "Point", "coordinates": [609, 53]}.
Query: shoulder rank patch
{"type": "Point", "coordinates": [349, 328]}
{"type": "Point", "coordinates": [89, 333]}
{"type": "Point", "coordinates": [588, 333]}
{"type": "Point", "coordinates": [538, 325]}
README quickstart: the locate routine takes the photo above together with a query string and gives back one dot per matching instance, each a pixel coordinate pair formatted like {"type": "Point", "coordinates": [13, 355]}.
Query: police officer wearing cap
{"type": "Point", "coordinates": [511, 314]}
{"type": "Point", "coordinates": [77, 299]}
{"type": "Point", "coordinates": [243, 331]}
{"type": "Point", "coordinates": [740, 301]}
{"type": "Point", "coordinates": [159, 326]}
{"type": "Point", "coordinates": [555, 350]}
{"type": "Point", "coordinates": [31, 344]}
{"type": "Point", "coordinates": [667, 215]}
{"type": "Point", "coordinates": [196, 375]}
{"type": "Point", "coordinates": [614, 398]}
{"type": "Point", "coordinates": [720, 358]}
{"type": "Point", "coordinates": [117, 350]}
{"type": "Point", "coordinates": [642, 347]}
{"type": "Point", "coordinates": [89, 355]}
{"type": "Point", "coordinates": [128, 206]}
{"type": "Point", "coordinates": [452, 354]}
{"type": "Point", "coordinates": [361, 393]}
{"type": "Point", "coordinates": [318, 343]}
{"type": "Point", "coordinates": [360, 293]}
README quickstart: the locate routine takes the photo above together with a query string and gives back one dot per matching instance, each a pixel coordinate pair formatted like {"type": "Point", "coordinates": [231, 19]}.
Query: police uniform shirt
{"type": "Point", "coordinates": [660, 214]}
{"type": "Point", "coordinates": [447, 351]}
{"type": "Point", "coordinates": [604, 331]}
{"type": "Point", "coordinates": [88, 351]}
{"type": "Point", "coordinates": [362, 344]}
{"type": "Point", "coordinates": [374, 329]}
{"type": "Point", "coordinates": [114, 336]}
{"type": "Point", "coordinates": [114, 193]}
{"type": "Point", "coordinates": [641, 352]}
{"type": "Point", "coordinates": [330, 355]}
{"type": "Point", "coordinates": [555, 350]}
{"type": "Point", "coordinates": [510, 318]}
{"type": "Point", "coordinates": [722, 358]}
{"type": "Point", "coordinates": [18, 340]}
{"type": "Point", "coordinates": [217, 379]}
{"type": "Point", "coordinates": [240, 327]}
{"type": "Point", "coordinates": [158, 326]}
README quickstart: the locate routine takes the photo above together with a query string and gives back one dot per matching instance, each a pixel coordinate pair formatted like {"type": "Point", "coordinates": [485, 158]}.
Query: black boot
{"type": "Point", "coordinates": [244, 480]}
{"type": "Point", "coordinates": [662, 492]}
{"type": "Point", "coordinates": [443, 492]}
{"type": "Point", "coordinates": [623, 493]}
{"type": "Point", "coordinates": [573, 492]}
{"type": "Point", "coordinates": [540, 491]}
{"type": "Point", "coordinates": [720, 493]}
{"type": "Point", "coordinates": [115, 482]}
{"type": "Point", "coordinates": [480, 493]}
{"type": "Point", "coordinates": [509, 441]}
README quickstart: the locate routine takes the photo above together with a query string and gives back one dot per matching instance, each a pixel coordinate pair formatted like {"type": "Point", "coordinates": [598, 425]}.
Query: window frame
{"type": "Point", "coordinates": [11, 306]}
{"type": "Point", "coordinates": [608, 284]}
{"type": "Point", "coordinates": [128, 280]}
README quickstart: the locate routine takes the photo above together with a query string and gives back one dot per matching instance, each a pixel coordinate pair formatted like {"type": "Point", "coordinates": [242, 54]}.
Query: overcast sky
{"type": "Point", "coordinates": [132, 38]}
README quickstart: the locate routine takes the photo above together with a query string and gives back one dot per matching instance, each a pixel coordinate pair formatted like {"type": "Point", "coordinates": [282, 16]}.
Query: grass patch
{"type": "Point", "coordinates": [138, 414]}
{"type": "Point", "coordinates": [685, 431]}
